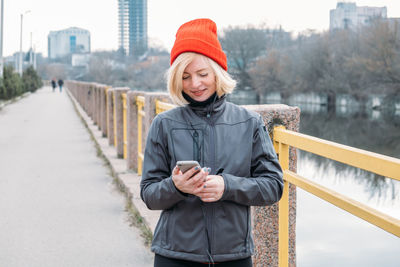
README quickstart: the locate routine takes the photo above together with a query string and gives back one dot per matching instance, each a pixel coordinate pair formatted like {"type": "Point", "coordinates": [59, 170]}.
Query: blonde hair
{"type": "Point", "coordinates": [223, 81]}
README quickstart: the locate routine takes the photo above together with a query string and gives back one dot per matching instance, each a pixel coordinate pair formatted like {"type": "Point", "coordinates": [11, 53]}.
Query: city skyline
{"type": "Point", "coordinates": [164, 18]}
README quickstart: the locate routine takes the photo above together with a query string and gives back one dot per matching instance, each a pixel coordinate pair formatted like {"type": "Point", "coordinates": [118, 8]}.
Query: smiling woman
{"type": "Point", "coordinates": [206, 211]}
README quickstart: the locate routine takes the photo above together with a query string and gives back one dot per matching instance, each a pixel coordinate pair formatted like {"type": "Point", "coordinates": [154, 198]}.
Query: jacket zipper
{"type": "Point", "coordinates": [213, 166]}
{"type": "Point", "coordinates": [196, 150]}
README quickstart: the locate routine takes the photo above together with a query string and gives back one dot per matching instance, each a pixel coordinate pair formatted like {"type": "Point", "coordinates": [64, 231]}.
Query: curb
{"type": "Point", "coordinates": [8, 102]}
{"type": "Point", "coordinates": [128, 181]}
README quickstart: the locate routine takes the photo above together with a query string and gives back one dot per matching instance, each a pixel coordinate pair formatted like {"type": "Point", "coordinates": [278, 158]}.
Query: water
{"type": "Point", "coordinates": [325, 234]}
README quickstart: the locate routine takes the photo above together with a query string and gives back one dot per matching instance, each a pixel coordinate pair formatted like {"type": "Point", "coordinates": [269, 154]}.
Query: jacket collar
{"type": "Point", "coordinates": [211, 109]}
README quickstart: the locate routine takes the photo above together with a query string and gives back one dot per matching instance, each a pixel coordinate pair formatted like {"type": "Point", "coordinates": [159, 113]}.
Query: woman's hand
{"type": "Point", "coordinates": [188, 184]}
{"type": "Point", "coordinates": [212, 190]}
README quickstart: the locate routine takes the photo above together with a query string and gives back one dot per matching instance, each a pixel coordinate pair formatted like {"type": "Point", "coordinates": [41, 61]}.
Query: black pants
{"type": "Point", "coordinates": [161, 261]}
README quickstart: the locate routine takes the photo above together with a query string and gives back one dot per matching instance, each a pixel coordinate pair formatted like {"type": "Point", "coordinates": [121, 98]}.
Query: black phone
{"type": "Point", "coordinates": [185, 165]}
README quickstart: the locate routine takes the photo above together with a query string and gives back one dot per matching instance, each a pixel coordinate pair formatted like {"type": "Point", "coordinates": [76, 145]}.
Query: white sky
{"type": "Point", "coordinates": [100, 17]}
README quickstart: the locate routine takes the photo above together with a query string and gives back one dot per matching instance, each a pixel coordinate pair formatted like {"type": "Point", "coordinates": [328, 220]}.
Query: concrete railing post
{"type": "Point", "coordinates": [103, 110]}
{"type": "Point", "coordinates": [265, 219]}
{"type": "Point", "coordinates": [110, 117]}
{"type": "Point", "coordinates": [119, 119]}
{"type": "Point", "coordinates": [132, 112]}
{"type": "Point", "coordinates": [84, 89]}
{"type": "Point", "coordinates": [96, 109]}
{"type": "Point", "coordinates": [90, 100]}
{"type": "Point", "coordinates": [150, 110]}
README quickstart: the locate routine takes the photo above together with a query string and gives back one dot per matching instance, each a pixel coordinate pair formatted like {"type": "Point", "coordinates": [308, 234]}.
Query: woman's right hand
{"type": "Point", "coordinates": [188, 184]}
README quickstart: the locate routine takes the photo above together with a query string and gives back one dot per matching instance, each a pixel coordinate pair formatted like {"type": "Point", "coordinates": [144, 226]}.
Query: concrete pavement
{"type": "Point", "coordinates": [58, 206]}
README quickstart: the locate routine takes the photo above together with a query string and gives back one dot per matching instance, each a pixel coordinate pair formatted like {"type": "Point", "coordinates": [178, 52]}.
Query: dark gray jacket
{"type": "Point", "coordinates": [222, 136]}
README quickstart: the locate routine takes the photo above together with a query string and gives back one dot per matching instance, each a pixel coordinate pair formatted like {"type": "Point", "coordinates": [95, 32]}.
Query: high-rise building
{"type": "Point", "coordinates": [349, 16]}
{"type": "Point", "coordinates": [132, 25]}
{"type": "Point", "coordinates": [67, 42]}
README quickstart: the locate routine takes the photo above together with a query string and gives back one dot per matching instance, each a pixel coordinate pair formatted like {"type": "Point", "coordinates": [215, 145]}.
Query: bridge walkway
{"type": "Point", "coordinates": [58, 205]}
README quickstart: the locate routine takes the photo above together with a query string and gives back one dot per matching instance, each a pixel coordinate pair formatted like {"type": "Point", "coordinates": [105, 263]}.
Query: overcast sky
{"type": "Point", "coordinates": [100, 17]}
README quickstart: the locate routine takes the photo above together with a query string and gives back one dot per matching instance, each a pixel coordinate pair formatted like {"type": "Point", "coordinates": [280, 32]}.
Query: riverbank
{"type": "Point", "coordinates": [342, 102]}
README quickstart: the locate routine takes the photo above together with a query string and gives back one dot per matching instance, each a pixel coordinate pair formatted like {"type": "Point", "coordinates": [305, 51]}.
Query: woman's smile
{"type": "Point", "coordinates": [198, 79]}
{"type": "Point", "coordinates": [199, 92]}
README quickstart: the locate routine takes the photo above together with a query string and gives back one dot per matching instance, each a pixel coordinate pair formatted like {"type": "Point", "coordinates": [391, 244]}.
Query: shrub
{"type": "Point", "coordinates": [11, 84]}
{"type": "Point", "coordinates": [31, 80]}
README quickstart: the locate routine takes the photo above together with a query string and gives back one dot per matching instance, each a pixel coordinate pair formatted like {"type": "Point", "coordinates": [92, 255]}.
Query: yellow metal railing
{"type": "Point", "coordinates": [141, 114]}
{"type": "Point", "coordinates": [162, 106]}
{"type": "Point", "coordinates": [124, 122]}
{"type": "Point", "coordinates": [373, 162]}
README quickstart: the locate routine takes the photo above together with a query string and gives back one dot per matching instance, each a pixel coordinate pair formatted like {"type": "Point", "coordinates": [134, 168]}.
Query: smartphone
{"type": "Point", "coordinates": [185, 165]}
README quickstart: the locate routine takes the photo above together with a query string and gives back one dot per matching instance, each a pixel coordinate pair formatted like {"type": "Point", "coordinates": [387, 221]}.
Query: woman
{"type": "Point", "coordinates": [206, 212]}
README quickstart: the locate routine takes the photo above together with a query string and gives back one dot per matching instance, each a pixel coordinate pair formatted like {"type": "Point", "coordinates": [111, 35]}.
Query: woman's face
{"type": "Point", "coordinates": [198, 79]}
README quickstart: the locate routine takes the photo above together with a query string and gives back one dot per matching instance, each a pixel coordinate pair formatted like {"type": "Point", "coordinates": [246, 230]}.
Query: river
{"type": "Point", "coordinates": [325, 234]}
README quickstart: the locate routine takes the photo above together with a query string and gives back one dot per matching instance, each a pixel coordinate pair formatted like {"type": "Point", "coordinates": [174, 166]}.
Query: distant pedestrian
{"type": "Point", "coordinates": [60, 84]}
{"type": "Point", "coordinates": [53, 84]}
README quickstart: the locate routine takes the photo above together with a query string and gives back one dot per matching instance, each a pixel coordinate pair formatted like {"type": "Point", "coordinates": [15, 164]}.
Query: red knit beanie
{"type": "Point", "coordinates": [199, 36]}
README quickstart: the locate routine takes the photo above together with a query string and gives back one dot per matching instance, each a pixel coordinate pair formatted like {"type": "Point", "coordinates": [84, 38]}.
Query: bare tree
{"type": "Point", "coordinates": [243, 45]}
{"type": "Point", "coordinates": [267, 73]}
{"type": "Point", "coordinates": [381, 51]}
{"type": "Point", "coordinates": [101, 67]}
{"type": "Point", "coordinates": [149, 75]}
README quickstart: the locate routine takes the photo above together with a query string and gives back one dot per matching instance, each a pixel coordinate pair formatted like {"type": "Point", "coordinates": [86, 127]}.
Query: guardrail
{"type": "Point", "coordinates": [373, 162]}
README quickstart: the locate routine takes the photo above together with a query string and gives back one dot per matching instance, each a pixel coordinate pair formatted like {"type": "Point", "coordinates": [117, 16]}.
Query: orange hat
{"type": "Point", "coordinates": [199, 36]}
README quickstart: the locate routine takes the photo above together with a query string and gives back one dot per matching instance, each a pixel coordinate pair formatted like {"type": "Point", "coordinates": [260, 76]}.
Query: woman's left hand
{"type": "Point", "coordinates": [213, 189]}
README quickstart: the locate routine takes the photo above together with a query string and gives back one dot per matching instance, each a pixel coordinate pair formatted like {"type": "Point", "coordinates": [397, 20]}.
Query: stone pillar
{"type": "Point", "coordinates": [150, 109]}
{"type": "Point", "coordinates": [110, 117]}
{"type": "Point", "coordinates": [83, 91]}
{"type": "Point", "coordinates": [96, 105]}
{"type": "Point", "coordinates": [93, 103]}
{"type": "Point", "coordinates": [103, 110]}
{"type": "Point", "coordinates": [84, 97]}
{"type": "Point", "coordinates": [90, 100]}
{"type": "Point", "coordinates": [99, 87]}
{"type": "Point", "coordinates": [119, 119]}
{"type": "Point", "coordinates": [265, 219]}
{"type": "Point", "coordinates": [132, 117]}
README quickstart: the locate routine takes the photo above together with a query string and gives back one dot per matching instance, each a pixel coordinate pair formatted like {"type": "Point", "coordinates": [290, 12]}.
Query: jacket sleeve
{"type": "Point", "coordinates": [157, 189]}
{"type": "Point", "coordinates": [265, 186]}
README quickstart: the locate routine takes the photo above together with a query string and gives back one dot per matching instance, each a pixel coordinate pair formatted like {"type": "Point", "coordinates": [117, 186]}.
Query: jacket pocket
{"type": "Point", "coordinates": [186, 227]}
{"type": "Point", "coordinates": [161, 232]}
{"type": "Point", "coordinates": [188, 144]}
{"type": "Point", "coordinates": [231, 228]}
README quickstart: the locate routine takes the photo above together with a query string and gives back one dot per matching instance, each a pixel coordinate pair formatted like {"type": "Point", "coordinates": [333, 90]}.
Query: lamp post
{"type": "Point", "coordinates": [20, 44]}
{"type": "Point", "coordinates": [1, 38]}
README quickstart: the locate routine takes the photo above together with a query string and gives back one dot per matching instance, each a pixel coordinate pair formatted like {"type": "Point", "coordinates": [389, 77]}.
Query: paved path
{"type": "Point", "coordinates": [58, 206]}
